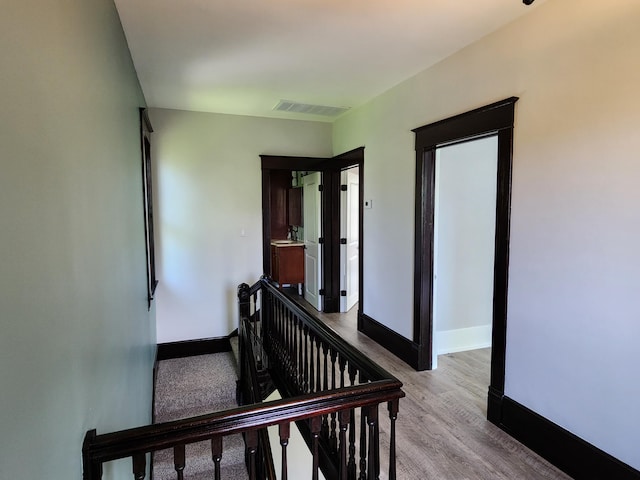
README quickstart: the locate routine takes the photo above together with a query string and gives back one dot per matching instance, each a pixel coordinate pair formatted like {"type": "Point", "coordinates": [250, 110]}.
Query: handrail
{"type": "Point", "coordinates": [306, 357]}
{"type": "Point", "coordinates": [127, 443]}
{"type": "Point", "coordinates": [250, 394]}
{"type": "Point", "coordinates": [371, 369]}
{"type": "Point", "coordinates": [327, 412]}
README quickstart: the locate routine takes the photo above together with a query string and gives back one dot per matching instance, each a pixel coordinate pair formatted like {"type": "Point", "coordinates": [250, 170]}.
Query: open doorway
{"type": "Point", "coordinates": [463, 247]}
{"type": "Point", "coordinates": [328, 230]}
{"type": "Point", "coordinates": [496, 119]}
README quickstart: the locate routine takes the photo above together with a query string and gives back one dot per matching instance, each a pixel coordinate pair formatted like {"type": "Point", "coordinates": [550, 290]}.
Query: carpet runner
{"type": "Point", "coordinates": [192, 386]}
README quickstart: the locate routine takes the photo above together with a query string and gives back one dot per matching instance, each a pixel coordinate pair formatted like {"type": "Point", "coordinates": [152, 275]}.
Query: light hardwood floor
{"type": "Point", "coordinates": [442, 431]}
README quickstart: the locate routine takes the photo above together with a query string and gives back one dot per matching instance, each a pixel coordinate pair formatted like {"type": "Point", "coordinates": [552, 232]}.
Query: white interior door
{"type": "Point", "coordinates": [349, 230]}
{"type": "Point", "coordinates": [312, 201]}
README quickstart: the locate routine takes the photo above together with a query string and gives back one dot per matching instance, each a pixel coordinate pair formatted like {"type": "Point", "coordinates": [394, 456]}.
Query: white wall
{"type": "Point", "coordinates": [76, 339]}
{"type": "Point", "coordinates": [572, 351]}
{"type": "Point", "coordinates": [464, 244]}
{"type": "Point", "coordinates": [209, 191]}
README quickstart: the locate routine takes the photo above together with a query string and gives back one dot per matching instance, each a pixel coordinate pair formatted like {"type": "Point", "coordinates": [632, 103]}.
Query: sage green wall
{"type": "Point", "coordinates": [572, 328]}
{"type": "Point", "coordinates": [76, 339]}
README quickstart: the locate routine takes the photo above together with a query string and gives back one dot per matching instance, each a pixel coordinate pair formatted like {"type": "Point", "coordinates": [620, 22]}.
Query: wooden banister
{"type": "Point", "coordinates": [160, 436]}
{"type": "Point", "coordinates": [332, 389]}
{"type": "Point", "coordinates": [307, 357]}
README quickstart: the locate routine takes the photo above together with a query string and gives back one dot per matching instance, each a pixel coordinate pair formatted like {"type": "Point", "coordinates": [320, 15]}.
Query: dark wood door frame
{"type": "Point", "coordinates": [331, 169]}
{"type": "Point", "coordinates": [496, 118]}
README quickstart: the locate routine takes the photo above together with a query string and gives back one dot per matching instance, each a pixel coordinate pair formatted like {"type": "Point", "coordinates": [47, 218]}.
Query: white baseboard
{"type": "Point", "coordinates": [462, 339]}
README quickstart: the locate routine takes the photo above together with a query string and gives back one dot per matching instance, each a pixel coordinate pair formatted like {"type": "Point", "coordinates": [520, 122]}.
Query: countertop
{"type": "Point", "coordinates": [286, 243]}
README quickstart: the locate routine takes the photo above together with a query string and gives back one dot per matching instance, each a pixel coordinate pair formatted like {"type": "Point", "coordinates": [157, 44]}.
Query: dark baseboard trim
{"type": "Point", "coordinates": [401, 347]}
{"type": "Point", "coordinates": [153, 387]}
{"type": "Point", "coordinates": [494, 406]}
{"type": "Point", "coordinates": [190, 348]}
{"type": "Point", "coordinates": [571, 454]}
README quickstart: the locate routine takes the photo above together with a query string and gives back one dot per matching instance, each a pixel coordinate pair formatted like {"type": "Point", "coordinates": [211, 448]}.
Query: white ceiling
{"type": "Point", "coordinates": [244, 56]}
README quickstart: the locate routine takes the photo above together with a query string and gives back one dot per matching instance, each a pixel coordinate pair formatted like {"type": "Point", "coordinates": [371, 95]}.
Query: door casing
{"type": "Point", "coordinates": [496, 118]}
{"type": "Point", "coordinates": [331, 169]}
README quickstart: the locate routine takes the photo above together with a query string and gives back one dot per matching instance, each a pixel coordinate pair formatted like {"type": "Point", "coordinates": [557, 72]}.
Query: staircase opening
{"type": "Point", "coordinates": [330, 392]}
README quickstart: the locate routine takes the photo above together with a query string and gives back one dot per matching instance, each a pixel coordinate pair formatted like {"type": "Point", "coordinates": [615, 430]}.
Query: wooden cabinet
{"type": "Point", "coordinates": [280, 183]}
{"type": "Point", "coordinates": [294, 205]}
{"type": "Point", "coordinates": [287, 263]}
{"type": "Point", "coordinates": [285, 204]}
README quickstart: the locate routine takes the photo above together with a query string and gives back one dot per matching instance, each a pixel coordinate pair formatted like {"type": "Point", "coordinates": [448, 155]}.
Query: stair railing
{"type": "Point", "coordinates": [335, 394]}
{"type": "Point", "coordinates": [307, 358]}
{"type": "Point", "coordinates": [136, 443]}
{"type": "Point", "coordinates": [249, 389]}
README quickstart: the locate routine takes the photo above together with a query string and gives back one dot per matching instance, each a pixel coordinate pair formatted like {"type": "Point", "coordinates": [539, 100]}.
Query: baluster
{"type": "Point", "coordinates": [255, 305]}
{"type": "Point", "coordinates": [284, 441]}
{"type": "Point", "coordinates": [318, 364]}
{"type": "Point", "coordinates": [325, 350]}
{"type": "Point", "coordinates": [316, 426]}
{"type": "Point", "coordinates": [285, 318]}
{"type": "Point", "coordinates": [351, 465]}
{"type": "Point", "coordinates": [267, 319]}
{"type": "Point", "coordinates": [139, 466]}
{"type": "Point", "coordinates": [301, 358]}
{"type": "Point", "coordinates": [273, 326]}
{"type": "Point", "coordinates": [342, 365]}
{"type": "Point", "coordinates": [279, 329]}
{"type": "Point", "coordinates": [305, 384]}
{"type": "Point", "coordinates": [251, 440]}
{"type": "Point", "coordinates": [312, 377]}
{"type": "Point", "coordinates": [285, 339]}
{"type": "Point", "coordinates": [344, 417]}
{"type": "Point", "coordinates": [294, 351]}
{"type": "Point", "coordinates": [290, 356]}
{"type": "Point", "coordinates": [374, 443]}
{"type": "Point", "coordinates": [333, 440]}
{"type": "Point", "coordinates": [363, 443]}
{"type": "Point", "coordinates": [393, 415]}
{"type": "Point", "coordinates": [258, 327]}
{"type": "Point", "coordinates": [275, 319]}
{"type": "Point", "coordinates": [325, 418]}
{"type": "Point", "coordinates": [289, 345]}
{"type": "Point", "coordinates": [283, 349]}
{"type": "Point", "coordinates": [178, 461]}
{"type": "Point", "coordinates": [216, 454]}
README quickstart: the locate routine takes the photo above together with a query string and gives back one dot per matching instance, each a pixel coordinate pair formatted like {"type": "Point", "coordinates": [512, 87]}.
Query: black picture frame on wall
{"type": "Point", "coordinates": [147, 199]}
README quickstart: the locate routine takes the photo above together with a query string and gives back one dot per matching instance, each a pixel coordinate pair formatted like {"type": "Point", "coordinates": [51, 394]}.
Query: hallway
{"type": "Point", "coordinates": [442, 431]}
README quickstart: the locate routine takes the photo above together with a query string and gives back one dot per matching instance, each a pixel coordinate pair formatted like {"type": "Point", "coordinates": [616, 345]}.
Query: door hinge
{"type": "Point", "coordinates": [343, 188]}
{"type": "Point", "coordinates": [321, 240]}
{"type": "Point", "coordinates": [343, 293]}
{"type": "Point", "coordinates": [321, 291]}
{"type": "Point", "coordinates": [343, 241]}
{"type": "Point", "coordinates": [320, 188]}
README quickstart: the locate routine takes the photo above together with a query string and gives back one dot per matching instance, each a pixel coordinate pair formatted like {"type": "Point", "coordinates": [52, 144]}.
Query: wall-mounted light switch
{"type": "Point", "coordinates": [368, 203]}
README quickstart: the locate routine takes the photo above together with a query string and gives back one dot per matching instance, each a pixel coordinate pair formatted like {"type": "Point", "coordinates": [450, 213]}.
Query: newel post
{"type": "Point", "coordinates": [265, 311]}
{"type": "Point", "coordinates": [244, 302]}
{"type": "Point", "coordinates": [91, 470]}
{"type": "Point", "coordinates": [244, 309]}
{"type": "Point", "coordinates": [393, 416]}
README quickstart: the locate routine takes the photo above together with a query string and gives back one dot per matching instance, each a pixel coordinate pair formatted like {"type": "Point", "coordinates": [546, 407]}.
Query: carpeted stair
{"type": "Point", "coordinates": [192, 386]}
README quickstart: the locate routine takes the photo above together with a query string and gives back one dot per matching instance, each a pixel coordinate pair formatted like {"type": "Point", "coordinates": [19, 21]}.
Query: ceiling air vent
{"type": "Point", "coordinates": [295, 107]}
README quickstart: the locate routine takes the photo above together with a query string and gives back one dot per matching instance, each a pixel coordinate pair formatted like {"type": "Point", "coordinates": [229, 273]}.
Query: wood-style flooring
{"type": "Point", "coordinates": [442, 431]}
